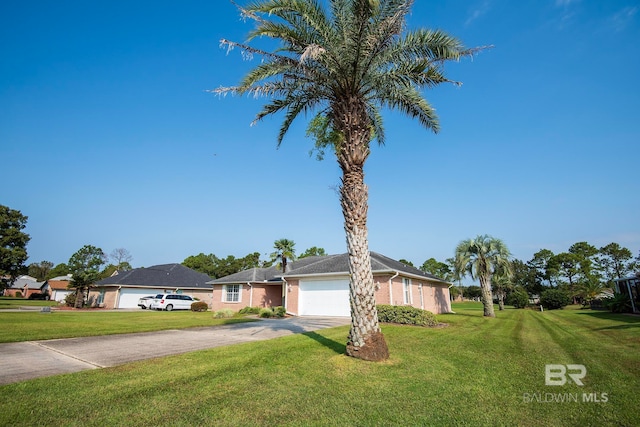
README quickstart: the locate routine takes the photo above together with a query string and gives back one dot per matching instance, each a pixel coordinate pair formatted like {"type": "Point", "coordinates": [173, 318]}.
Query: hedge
{"type": "Point", "coordinates": [405, 315]}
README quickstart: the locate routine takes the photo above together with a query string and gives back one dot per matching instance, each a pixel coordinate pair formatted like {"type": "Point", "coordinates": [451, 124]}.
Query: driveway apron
{"type": "Point", "coordinates": [34, 359]}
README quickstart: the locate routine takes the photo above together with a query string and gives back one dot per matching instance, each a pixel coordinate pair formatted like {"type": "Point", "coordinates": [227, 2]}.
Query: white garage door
{"type": "Point", "coordinates": [324, 298]}
{"type": "Point", "coordinates": [129, 297]}
{"type": "Point", "coordinates": [60, 295]}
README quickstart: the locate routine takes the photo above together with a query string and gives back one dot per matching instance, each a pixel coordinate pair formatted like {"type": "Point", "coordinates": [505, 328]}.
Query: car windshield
{"type": "Point", "coordinates": [159, 296]}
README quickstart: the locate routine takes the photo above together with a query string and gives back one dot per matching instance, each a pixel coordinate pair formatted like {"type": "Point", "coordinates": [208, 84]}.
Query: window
{"type": "Point", "coordinates": [101, 296]}
{"type": "Point", "coordinates": [406, 286]}
{"type": "Point", "coordinates": [231, 293]}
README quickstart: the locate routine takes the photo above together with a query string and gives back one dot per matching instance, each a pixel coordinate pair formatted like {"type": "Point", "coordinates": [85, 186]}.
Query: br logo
{"type": "Point", "coordinates": [557, 374]}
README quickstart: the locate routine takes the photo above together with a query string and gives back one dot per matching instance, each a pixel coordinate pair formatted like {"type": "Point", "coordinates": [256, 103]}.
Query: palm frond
{"type": "Point", "coordinates": [336, 52]}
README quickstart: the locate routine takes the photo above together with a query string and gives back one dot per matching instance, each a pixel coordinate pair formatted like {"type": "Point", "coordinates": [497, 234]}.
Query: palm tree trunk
{"type": "Point", "coordinates": [487, 297]}
{"type": "Point", "coordinates": [365, 339]}
{"type": "Point", "coordinates": [79, 298]}
{"type": "Point", "coordinates": [501, 300]}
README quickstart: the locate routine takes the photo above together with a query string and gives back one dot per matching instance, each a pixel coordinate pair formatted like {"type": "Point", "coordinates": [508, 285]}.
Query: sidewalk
{"type": "Point", "coordinates": [34, 359]}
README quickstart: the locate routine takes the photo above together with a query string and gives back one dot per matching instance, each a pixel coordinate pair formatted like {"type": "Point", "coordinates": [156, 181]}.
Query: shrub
{"type": "Point", "coordinates": [265, 312]}
{"type": "Point", "coordinates": [249, 310]}
{"type": "Point", "coordinates": [406, 315]}
{"type": "Point", "coordinates": [518, 299]}
{"type": "Point", "coordinates": [269, 312]}
{"type": "Point", "coordinates": [18, 294]}
{"type": "Point", "coordinates": [619, 303]}
{"type": "Point", "coordinates": [38, 296]}
{"type": "Point", "coordinates": [552, 299]}
{"type": "Point", "coordinates": [223, 314]}
{"type": "Point", "coordinates": [70, 300]}
{"type": "Point", "coordinates": [199, 306]}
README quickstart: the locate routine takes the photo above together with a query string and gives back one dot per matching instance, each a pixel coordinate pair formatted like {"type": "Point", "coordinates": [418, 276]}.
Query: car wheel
{"type": "Point", "coordinates": [169, 307]}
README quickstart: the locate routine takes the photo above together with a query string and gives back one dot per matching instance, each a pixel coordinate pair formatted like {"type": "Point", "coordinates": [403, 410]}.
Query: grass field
{"type": "Point", "coordinates": [30, 326]}
{"type": "Point", "coordinates": [7, 302]}
{"type": "Point", "coordinates": [476, 371]}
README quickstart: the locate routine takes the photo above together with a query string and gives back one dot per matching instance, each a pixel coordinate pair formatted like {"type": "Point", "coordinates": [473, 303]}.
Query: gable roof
{"type": "Point", "coordinates": [59, 283]}
{"type": "Point", "coordinates": [165, 276]}
{"type": "Point", "coordinates": [28, 281]}
{"type": "Point", "coordinates": [324, 265]}
{"type": "Point", "coordinates": [268, 274]}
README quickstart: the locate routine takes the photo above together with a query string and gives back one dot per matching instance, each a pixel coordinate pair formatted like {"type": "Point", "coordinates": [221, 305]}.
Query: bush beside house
{"type": "Point", "coordinates": [405, 315]}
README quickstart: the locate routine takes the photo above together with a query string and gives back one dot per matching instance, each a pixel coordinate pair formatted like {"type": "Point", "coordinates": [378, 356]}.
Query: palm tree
{"type": "Point", "coordinates": [501, 283]}
{"type": "Point", "coordinates": [482, 258]}
{"type": "Point", "coordinates": [284, 251]}
{"type": "Point", "coordinates": [590, 289]}
{"type": "Point", "coordinates": [345, 60]}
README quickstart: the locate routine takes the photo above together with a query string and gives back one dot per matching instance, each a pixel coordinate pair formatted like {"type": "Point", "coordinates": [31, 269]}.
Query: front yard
{"type": "Point", "coordinates": [33, 325]}
{"type": "Point", "coordinates": [476, 371]}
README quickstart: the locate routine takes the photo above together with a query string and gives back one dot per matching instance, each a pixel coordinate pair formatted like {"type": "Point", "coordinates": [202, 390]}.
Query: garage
{"type": "Point", "coordinates": [129, 297]}
{"type": "Point", "coordinates": [60, 296]}
{"type": "Point", "coordinates": [324, 298]}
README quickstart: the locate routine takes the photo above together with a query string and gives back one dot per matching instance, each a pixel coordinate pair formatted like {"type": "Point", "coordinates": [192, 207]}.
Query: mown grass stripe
{"type": "Point", "coordinates": [473, 372]}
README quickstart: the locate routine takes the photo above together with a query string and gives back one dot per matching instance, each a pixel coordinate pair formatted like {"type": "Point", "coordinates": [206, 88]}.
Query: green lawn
{"type": "Point", "coordinates": [29, 326]}
{"type": "Point", "coordinates": [476, 371]}
{"type": "Point", "coordinates": [7, 302]}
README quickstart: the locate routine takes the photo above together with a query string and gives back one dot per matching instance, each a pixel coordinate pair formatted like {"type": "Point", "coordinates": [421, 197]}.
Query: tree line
{"type": "Point", "coordinates": [215, 267]}
{"type": "Point", "coordinates": [583, 271]}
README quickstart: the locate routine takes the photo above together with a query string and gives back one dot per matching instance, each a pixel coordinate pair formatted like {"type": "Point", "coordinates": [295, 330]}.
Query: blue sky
{"type": "Point", "coordinates": [108, 136]}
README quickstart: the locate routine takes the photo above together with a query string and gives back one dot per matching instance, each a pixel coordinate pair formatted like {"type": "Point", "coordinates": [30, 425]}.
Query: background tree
{"type": "Point", "coordinates": [13, 245]}
{"type": "Point", "coordinates": [216, 267]}
{"type": "Point", "coordinates": [518, 297]}
{"type": "Point", "coordinates": [84, 266]}
{"type": "Point", "coordinates": [406, 262]}
{"type": "Point", "coordinates": [346, 60]}
{"type": "Point", "coordinates": [109, 271]}
{"type": "Point", "coordinates": [438, 269]}
{"type": "Point", "coordinates": [525, 277]}
{"type": "Point", "coordinates": [285, 251]}
{"type": "Point", "coordinates": [313, 251]}
{"type": "Point", "coordinates": [61, 269]}
{"type": "Point", "coordinates": [206, 264]}
{"type": "Point", "coordinates": [544, 271]}
{"type": "Point", "coordinates": [482, 258]}
{"type": "Point", "coordinates": [586, 256]}
{"type": "Point", "coordinates": [121, 259]}
{"type": "Point", "coordinates": [614, 262]}
{"type": "Point", "coordinates": [40, 270]}
{"type": "Point", "coordinates": [471, 292]}
{"type": "Point", "coordinates": [568, 266]}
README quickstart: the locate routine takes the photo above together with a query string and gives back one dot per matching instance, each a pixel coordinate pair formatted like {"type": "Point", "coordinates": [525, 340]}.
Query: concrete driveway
{"type": "Point", "coordinates": [33, 359]}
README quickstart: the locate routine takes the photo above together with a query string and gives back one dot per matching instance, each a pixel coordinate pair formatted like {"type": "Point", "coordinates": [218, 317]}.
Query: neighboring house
{"type": "Point", "coordinates": [59, 287]}
{"type": "Point", "coordinates": [630, 286]}
{"type": "Point", "coordinates": [319, 286]}
{"type": "Point", "coordinates": [125, 288]}
{"type": "Point", "coordinates": [26, 285]}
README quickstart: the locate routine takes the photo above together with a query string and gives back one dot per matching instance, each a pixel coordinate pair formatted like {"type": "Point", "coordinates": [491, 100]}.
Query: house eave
{"type": "Point", "coordinates": [375, 272]}
{"type": "Point", "coordinates": [105, 285]}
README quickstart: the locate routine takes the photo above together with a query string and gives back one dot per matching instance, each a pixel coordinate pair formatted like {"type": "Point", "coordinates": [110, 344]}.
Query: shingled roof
{"type": "Point", "coordinates": [165, 275]}
{"type": "Point", "coordinates": [322, 265]}
{"type": "Point", "coordinates": [268, 274]}
{"type": "Point", "coordinates": [28, 281]}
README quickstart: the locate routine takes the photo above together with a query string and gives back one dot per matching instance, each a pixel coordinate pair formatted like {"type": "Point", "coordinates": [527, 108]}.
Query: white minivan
{"type": "Point", "coordinates": [171, 302]}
